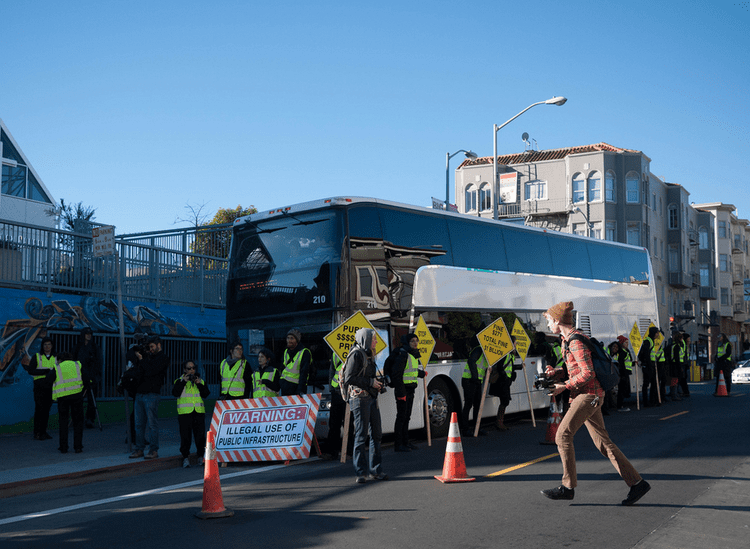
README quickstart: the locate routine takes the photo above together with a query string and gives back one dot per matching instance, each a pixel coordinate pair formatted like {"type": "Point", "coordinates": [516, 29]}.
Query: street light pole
{"type": "Point", "coordinates": [495, 188]}
{"type": "Point", "coordinates": [448, 157]}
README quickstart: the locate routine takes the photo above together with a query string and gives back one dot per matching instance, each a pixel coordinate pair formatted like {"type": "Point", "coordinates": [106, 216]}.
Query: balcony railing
{"type": "Point", "coordinates": [53, 260]}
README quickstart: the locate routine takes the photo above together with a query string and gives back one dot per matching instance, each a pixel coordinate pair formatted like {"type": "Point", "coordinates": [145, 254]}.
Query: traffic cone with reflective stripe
{"type": "Point", "coordinates": [454, 467]}
{"type": "Point", "coordinates": [213, 502]}
{"type": "Point", "coordinates": [553, 422]}
{"type": "Point", "coordinates": [721, 390]}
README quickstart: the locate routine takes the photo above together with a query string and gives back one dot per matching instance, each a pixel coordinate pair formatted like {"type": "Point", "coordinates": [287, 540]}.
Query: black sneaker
{"type": "Point", "coordinates": [637, 491]}
{"type": "Point", "coordinates": [561, 492]}
{"type": "Point", "coordinates": [360, 479]}
{"type": "Point", "coordinates": [378, 476]}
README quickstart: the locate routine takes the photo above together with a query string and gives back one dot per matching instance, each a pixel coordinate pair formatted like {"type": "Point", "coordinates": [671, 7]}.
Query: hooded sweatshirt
{"type": "Point", "coordinates": [360, 369]}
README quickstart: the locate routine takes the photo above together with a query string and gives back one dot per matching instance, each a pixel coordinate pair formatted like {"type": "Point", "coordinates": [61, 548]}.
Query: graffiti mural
{"type": "Point", "coordinates": [26, 317]}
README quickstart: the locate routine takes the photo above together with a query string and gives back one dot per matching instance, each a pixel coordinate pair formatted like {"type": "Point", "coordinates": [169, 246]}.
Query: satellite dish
{"type": "Point", "coordinates": [525, 136]}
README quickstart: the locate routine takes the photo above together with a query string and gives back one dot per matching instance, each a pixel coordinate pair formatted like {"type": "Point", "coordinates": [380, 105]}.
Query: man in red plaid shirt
{"type": "Point", "coordinates": [586, 398]}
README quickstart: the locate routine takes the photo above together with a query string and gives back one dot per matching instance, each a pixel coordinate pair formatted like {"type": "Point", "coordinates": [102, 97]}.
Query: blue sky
{"type": "Point", "coordinates": [139, 108]}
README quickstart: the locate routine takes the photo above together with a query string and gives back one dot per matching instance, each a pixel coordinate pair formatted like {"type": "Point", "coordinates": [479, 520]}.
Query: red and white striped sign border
{"type": "Point", "coordinates": [268, 454]}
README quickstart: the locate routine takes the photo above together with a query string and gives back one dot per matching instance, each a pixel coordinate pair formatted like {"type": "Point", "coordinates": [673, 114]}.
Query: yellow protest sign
{"type": "Point", "coordinates": [522, 339]}
{"type": "Point", "coordinates": [426, 341]}
{"type": "Point", "coordinates": [658, 339]}
{"type": "Point", "coordinates": [635, 339]}
{"type": "Point", "coordinates": [495, 341]}
{"type": "Point", "coordinates": [341, 338]}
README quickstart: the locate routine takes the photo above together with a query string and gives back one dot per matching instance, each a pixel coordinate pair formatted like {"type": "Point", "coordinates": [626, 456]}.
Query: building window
{"type": "Point", "coordinates": [674, 259]}
{"type": "Point", "coordinates": [655, 251]}
{"type": "Point", "coordinates": [611, 233]}
{"type": "Point", "coordinates": [634, 234]}
{"type": "Point", "coordinates": [632, 187]}
{"type": "Point", "coordinates": [674, 217]}
{"type": "Point", "coordinates": [705, 276]}
{"type": "Point", "coordinates": [609, 186]}
{"type": "Point", "coordinates": [578, 188]}
{"type": "Point", "coordinates": [579, 229]}
{"type": "Point", "coordinates": [723, 263]}
{"type": "Point", "coordinates": [14, 181]}
{"type": "Point", "coordinates": [703, 238]}
{"type": "Point", "coordinates": [471, 198]}
{"type": "Point", "coordinates": [722, 229]}
{"type": "Point", "coordinates": [535, 190]}
{"type": "Point", "coordinates": [485, 197]}
{"type": "Point", "coordinates": [725, 296]}
{"type": "Point", "coordinates": [595, 187]}
{"type": "Point", "coordinates": [596, 230]}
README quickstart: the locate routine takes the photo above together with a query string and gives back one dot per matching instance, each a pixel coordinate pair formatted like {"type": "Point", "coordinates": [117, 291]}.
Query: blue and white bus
{"type": "Point", "coordinates": [312, 265]}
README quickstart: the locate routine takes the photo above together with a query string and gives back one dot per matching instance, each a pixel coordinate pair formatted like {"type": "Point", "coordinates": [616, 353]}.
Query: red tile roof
{"type": "Point", "coordinates": [540, 156]}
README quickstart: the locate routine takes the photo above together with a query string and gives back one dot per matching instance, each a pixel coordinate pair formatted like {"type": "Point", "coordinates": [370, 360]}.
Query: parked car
{"type": "Point", "coordinates": [741, 372]}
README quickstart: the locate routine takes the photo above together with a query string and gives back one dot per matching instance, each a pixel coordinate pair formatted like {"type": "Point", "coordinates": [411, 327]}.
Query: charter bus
{"type": "Point", "coordinates": [312, 265]}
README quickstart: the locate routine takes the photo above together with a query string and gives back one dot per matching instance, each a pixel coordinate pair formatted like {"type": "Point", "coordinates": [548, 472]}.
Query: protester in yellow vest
{"type": "Point", "coordinates": [295, 365]}
{"type": "Point", "coordinates": [625, 364]}
{"type": "Point", "coordinates": [724, 362]}
{"type": "Point", "coordinates": [471, 383]}
{"type": "Point", "coordinates": [266, 379]}
{"type": "Point", "coordinates": [236, 375]}
{"type": "Point", "coordinates": [405, 378]}
{"type": "Point", "coordinates": [38, 367]}
{"type": "Point", "coordinates": [332, 444]}
{"type": "Point", "coordinates": [501, 379]}
{"type": "Point", "coordinates": [67, 391]}
{"type": "Point", "coordinates": [190, 391]}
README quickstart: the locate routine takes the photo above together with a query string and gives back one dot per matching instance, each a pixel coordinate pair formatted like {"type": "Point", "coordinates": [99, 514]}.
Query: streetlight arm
{"type": "Point", "coordinates": [516, 116]}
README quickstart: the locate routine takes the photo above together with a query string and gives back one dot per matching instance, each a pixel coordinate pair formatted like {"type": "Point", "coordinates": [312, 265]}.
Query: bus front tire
{"type": "Point", "coordinates": [440, 405]}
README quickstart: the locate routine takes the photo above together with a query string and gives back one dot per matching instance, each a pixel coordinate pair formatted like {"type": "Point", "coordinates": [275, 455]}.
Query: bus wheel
{"type": "Point", "coordinates": [440, 405]}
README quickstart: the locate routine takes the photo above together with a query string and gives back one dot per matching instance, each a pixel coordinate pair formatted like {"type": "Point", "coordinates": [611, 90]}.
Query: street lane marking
{"type": "Point", "coordinates": [509, 469]}
{"type": "Point", "coordinates": [115, 499]}
{"type": "Point", "coordinates": [675, 415]}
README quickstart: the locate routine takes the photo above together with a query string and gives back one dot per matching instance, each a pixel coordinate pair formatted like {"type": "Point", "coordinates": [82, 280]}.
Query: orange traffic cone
{"type": "Point", "coordinates": [454, 467]}
{"type": "Point", "coordinates": [721, 390]}
{"type": "Point", "coordinates": [213, 503]}
{"type": "Point", "coordinates": [553, 422]}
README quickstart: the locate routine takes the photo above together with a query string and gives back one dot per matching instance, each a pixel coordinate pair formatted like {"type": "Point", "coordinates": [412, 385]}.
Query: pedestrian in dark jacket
{"type": "Point", "coordinates": [360, 377]}
{"type": "Point", "coordinates": [87, 353]}
{"type": "Point", "coordinates": [154, 367]}
{"type": "Point", "coordinates": [405, 378]}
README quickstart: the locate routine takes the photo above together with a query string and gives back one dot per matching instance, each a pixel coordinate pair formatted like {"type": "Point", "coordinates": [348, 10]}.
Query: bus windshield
{"type": "Point", "coordinates": [286, 264]}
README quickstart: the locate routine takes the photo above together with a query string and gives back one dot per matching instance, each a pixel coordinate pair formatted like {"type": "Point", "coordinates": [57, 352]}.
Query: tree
{"type": "Point", "coordinates": [75, 217]}
{"type": "Point", "coordinates": [215, 241]}
{"type": "Point", "coordinates": [195, 215]}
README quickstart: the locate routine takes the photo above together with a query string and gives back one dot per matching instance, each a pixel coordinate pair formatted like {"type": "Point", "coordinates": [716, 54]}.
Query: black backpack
{"type": "Point", "coordinates": [606, 369]}
{"type": "Point", "coordinates": [390, 361]}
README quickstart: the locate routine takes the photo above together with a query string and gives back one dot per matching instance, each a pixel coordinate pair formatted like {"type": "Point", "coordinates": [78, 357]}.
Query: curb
{"type": "Point", "coordinates": [78, 478]}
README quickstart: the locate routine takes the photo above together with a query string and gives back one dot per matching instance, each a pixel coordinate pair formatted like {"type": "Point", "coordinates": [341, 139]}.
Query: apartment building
{"type": "Point", "coordinates": [607, 192]}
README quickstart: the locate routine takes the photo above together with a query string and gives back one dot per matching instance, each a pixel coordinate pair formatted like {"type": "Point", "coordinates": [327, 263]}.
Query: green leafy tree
{"type": "Point", "coordinates": [215, 241]}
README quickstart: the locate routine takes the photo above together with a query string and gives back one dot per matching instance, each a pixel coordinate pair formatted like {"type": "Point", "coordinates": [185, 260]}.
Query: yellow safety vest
{"type": "Point", "coordinates": [259, 388]}
{"type": "Point", "coordinates": [653, 351]}
{"type": "Point", "coordinates": [232, 380]}
{"type": "Point", "coordinates": [337, 365]}
{"type": "Point", "coordinates": [722, 352]}
{"type": "Point", "coordinates": [44, 363]}
{"type": "Point", "coordinates": [190, 400]}
{"type": "Point", "coordinates": [482, 366]}
{"type": "Point", "coordinates": [292, 367]}
{"type": "Point", "coordinates": [68, 380]}
{"type": "Point", "coordinates": [411, 370]}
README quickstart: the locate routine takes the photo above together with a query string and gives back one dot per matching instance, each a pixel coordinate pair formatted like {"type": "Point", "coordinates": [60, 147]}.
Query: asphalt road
{"type": "Point", "coordinates": [695, 454]}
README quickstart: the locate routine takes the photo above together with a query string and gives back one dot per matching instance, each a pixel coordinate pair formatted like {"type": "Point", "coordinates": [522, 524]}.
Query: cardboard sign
{"type": "Point", "coordinates": [495, 341]}
{"type": "Point", "coordinates": [426, 341]}
{"type": "Point", "coordinates": [523, 341]}
{"type": "Point", "coordinates": [265, 429]}
{"type": "Point", "coordinates": [341, 339]}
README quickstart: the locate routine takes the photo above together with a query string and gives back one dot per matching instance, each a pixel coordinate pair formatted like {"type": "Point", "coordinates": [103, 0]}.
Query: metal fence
{"type": "Point", "coordinates": [207, 355]}
{"type": "Point", "coordinates": [183, 266]}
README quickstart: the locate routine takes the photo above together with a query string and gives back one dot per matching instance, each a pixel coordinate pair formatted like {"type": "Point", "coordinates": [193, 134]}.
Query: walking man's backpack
{"type": "Point", "coordinates": [606, 369]}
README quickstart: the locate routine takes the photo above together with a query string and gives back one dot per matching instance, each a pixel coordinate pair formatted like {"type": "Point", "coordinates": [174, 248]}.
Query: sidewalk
{"type": "Point", "coordinates": [28, 465]}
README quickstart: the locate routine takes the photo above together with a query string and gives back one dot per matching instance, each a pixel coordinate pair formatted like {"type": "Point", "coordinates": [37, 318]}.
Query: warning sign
{"type": "Point", "coordinates": [495, 341]}
{"type": "Point", "coordinates": [104, 240]}
{"type": "Point", "coordinates": [635, 339]}
{"type": "Point", "coordinates": [658, 338]}
{"type": "Point", "coordinates": [426, 341]}
{"type": "Point", "coordinates": [522, 339]}
{"type": "Point", "coordinates": [341, 339]}
{"type": "Point", "coordinates": [265, 429]}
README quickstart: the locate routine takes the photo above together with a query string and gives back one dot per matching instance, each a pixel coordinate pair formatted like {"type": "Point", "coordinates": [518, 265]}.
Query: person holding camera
{"type": "Point", "coordinates": [405, 378]}
{"type": "Point", "coordinates": [152, 370]}
{"type": "Point", "coordinates": [586, 398]}
{"type": "Point", "coordinates": [362, 387]}
{"type": "Point", "coordinates": [190, 391]}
